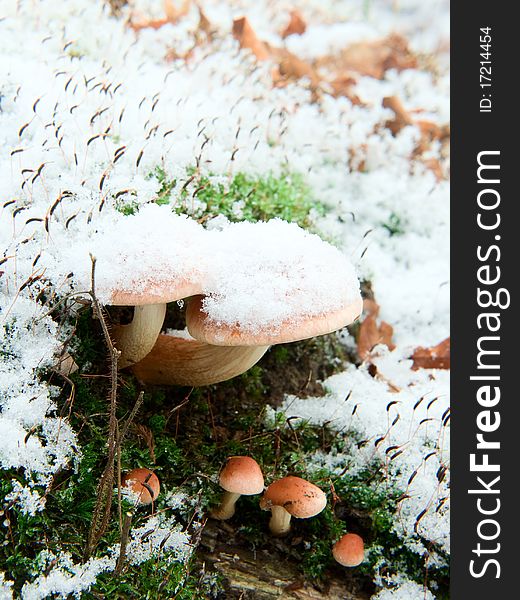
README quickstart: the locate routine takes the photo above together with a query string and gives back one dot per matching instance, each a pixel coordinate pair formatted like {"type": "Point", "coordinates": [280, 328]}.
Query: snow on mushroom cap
{"type": "Point", "coordinates": [273, 274]}
{"type": "Point", "coordinates": [150, 257]}
{"type": "Point", "coordinates": [299, 497]}
{"type": "Point", "coordinates": [158, 258]}
{"type": "Point", "coordinates": [242, 475]}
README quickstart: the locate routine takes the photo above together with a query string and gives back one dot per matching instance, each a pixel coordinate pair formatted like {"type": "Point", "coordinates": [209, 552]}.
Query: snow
{"type": "Point", "coordinates": [89, 109]}
{"type": "Point", "coordinates": [159, 535]}
{"type": "Point", "coordinates": [5, 588]}
{"type": "Point", "coordinates": [265, 274]}
{"type": "Point", "coordinates": [405, 590]}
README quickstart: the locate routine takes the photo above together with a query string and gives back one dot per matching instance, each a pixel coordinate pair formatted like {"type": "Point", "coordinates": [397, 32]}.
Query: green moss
{"type": "Point", "coordinates": [394, 225]}
{"type": "Point", "coordinates": [243, 198]}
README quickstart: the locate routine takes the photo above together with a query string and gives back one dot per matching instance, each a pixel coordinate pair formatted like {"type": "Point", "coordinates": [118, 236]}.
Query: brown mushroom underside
{"type": "Point", "coordinates": [179, 361]}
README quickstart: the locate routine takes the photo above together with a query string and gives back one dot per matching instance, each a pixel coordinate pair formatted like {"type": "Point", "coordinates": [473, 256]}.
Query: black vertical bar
{"type": "Point", "coordinates": [485, 514]}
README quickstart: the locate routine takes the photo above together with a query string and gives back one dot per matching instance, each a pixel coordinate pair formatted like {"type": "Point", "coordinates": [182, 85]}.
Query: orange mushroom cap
{"type": "Point", "coordinates": [349, 550]}
{"type": "Point", "coordinates": [242, 475]}
{"type": "Point", "coordinates": [144, 483]}
{"type": "Point", "coordinates": [300, 498]}
{"type": "Point", "coordinates": [204, 329]}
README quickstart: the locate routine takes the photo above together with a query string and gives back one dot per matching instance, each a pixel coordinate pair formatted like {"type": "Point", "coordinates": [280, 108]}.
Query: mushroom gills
{"type": "Point", "coordinates": [180, 361]}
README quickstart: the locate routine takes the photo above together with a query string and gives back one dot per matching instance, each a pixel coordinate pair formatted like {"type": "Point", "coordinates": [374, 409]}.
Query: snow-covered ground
{"type": "Point", "coordinates": [89, 108]}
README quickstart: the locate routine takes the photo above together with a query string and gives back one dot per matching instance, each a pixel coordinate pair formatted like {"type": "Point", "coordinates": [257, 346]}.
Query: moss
{"type": "Point", "coordinates": [394, 225]}
{"type": "Point", "coordinates": [243, 198]}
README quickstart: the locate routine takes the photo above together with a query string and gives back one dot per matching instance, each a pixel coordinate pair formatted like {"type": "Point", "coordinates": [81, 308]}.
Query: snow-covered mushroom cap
{"type": "Point", "coordinates": [203, 328]}
{"type": "Point", "coordinates": [144, 483]}
{"type": "Point", "coordinates": [349, 550]}
{"type": "Point", "coordinates": [300, 498]}
{"type": "Point", "coordinates": [153, 290]}
{"type": "Point", "coordinates": [151, 257]}
{"type": "Point", "coordinates": [242, 475]}
{"type": "Point", "coordinates": [271, 283]}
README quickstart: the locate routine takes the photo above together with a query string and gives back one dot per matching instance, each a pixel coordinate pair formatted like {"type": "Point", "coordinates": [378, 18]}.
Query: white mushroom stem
{"type": "Point", "coordinates": [226, 509]}
{"type": "Point", "coordinates": [181, 361]}
{"type": "Point", "coordinates": [280, 522]}
{"type": "Point", "coordinates": [137, 339]}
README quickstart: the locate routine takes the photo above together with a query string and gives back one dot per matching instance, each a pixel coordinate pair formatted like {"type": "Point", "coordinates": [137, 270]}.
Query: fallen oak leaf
{"type": "Point", "coordinates": [344, 86]}
{"type": "Point", "coordinates": [296, 25]}
{"type": "Point", "coordinates": [173, 14]}
{"type": "Point", "coordinates": [371, 333]}
{"type": "Point", "coordinates": [372, 58]}
{"type": "Point", "coordinates": [429, 132]}
{"type": "Point", "coordinates": [292, 67]}
{"type": "Point", "coordinates": [402, 117]}
{"type": "Point", "coordinates": [435, 357]}
{"type": "Point", "coordinates": [203, 34]}
{"type": "Point", "coordinates": [247, 38]}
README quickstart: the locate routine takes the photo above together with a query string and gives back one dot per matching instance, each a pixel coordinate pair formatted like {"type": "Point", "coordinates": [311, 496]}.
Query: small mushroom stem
{"type": "Point", "coordinates": [226, 509]}
{"type": "Point", "coordinates": [137, 339]}
{"type": "Point", "coordinates": [280, 522]}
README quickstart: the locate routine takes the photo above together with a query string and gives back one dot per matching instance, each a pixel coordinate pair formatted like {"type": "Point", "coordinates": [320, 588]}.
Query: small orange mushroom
{"type": "Point", "coordinates": [349, 550]}
{"type": "Point", "coordinates": [144, 483]}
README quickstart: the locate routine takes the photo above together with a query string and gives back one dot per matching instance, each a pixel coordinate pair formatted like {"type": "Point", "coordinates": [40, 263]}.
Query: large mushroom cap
{"type": "Point", "coordinates": [272, 282]}
{"type": "Point", "coordinates": [242, 475]}
{"type": "Point", "coordinates": [349, 550]}
{"type": "Point", "coordinates": [203, 328]}
{"type": "Point", "coordinates": [298, 497]}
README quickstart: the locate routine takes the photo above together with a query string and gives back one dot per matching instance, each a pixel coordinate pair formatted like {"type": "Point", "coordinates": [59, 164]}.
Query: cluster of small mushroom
{"type": "Point", "coordinates": [286, 498]}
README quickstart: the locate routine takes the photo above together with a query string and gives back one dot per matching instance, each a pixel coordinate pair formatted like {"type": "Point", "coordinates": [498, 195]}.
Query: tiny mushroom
{"type": "Point", "coordinates": [241, 476]}
{"type": "Point", "coordinates": [144, 483]}
{"type": "Point", "coordinates": [349, 550]}
{"type": "Point", "coordinates": [291, 497]}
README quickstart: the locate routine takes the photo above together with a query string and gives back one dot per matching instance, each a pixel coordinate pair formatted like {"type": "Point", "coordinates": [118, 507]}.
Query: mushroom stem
{"type": "Point", "coordinates": [226, 509]}
{"type": "Point", "coordinates": [280, 522]}
{"type": "Point", "coordinates": [136, 339]}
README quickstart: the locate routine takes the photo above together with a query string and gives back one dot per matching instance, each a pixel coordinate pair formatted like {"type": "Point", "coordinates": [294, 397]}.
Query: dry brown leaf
{"type": "Point", "coordinates": [429, 132]}
{"type": "Point", "coordinates": [344, 86]}
{"type": "Point", "coordinates": [290, 67]}
{"type": "Point", "coordinates": [296, 25]}
{"type": "Point", "coordinates": [402, 117]}
{"type": "Point", "coordinates": [372, 58]}
{"type": "Point", "coordinates": [247, 38]}
{"type": "Point", "coordinates": [172, 12]}
{"type": "Point", "coordinates": [66, 365]}
{"type": "Point", "coordinates": [435, 167]}
{"type": "Point", "coordinates": [372, 333]}
{"type": "Point", "coordinates": [205, 24]}
{"type": "Point", "coordinates": [436, 357]}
